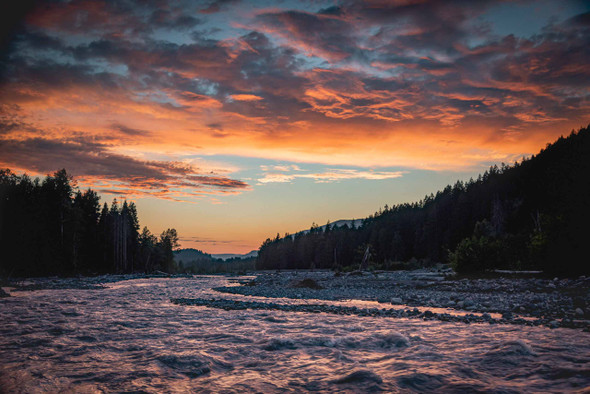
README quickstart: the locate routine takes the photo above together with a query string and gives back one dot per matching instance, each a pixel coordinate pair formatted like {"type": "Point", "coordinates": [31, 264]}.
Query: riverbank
{"type": "Point", "coordinates": [78, 282]}
{"type": "Point", "coordinates": [531, 301]}
{"type": "Point", "coordinates": [423, 294]}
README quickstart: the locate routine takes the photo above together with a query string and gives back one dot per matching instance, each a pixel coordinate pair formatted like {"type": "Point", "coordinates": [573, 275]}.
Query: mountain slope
{"type": "Point", "coordinates": [337, 224]}
{"type": "Point", "coordinates": [530, 215]}
{"type": "Point", "coordinates": [189, 255]}
{"type": "Point", "coordinates": [227, 256]}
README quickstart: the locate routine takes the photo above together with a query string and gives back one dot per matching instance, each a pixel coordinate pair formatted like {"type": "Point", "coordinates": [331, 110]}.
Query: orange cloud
{"type": "Point", "coordinates": [384, 87]}
{"type": "Point", "coordinates": [245, 97]}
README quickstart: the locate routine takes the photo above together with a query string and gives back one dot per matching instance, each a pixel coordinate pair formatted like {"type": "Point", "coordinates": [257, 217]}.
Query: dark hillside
{"type": "Point", "coordinates": [530, 215]}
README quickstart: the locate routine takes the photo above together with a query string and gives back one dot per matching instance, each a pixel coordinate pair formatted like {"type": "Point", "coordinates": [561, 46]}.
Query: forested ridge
{"type": "Point", "coordinates": [194, 261]}
{"type": "Point", "coordinates": [50, 227]}
{"type": "Point", "coordinates": [534, 214]}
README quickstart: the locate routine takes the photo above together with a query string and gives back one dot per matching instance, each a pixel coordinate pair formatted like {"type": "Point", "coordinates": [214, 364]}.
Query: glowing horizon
{"type": "Point", "coordinates": [234, 120]}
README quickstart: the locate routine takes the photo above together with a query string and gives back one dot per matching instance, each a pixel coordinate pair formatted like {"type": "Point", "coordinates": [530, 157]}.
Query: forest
{"type": "Point", "coordinates": [194, 261]}
{"type": "Point", "coordinates": [531, 215]}
{"type": "Point", "coordinates": [50, 227]}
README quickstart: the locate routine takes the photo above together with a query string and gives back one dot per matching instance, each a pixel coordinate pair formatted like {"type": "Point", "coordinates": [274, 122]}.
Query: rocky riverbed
{"type": "Point", "coordinates": [434, 294]}
{"type": "Point", "coordinates": [79, 282]}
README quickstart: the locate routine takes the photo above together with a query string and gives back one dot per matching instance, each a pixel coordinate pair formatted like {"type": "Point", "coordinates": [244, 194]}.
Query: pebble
{"type": "Point", "coordinates": [537, 299]}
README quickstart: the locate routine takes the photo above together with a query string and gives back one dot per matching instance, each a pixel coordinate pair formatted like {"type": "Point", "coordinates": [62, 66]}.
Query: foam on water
{"type": "Point", "coordinates": [130, 337]}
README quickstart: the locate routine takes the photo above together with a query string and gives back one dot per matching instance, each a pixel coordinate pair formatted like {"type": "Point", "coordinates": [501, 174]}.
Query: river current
{"type": "Point", "coordinates": [129, 337]}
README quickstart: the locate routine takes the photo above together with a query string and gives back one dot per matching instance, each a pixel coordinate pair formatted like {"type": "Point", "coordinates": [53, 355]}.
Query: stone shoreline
{"type": "Point", "coordinates": [78, 283]}
{"type": "Point", "coordinates": [413, 294]}
{"type": "Point", "coordinates": [531, 301]}
{"type": "Point", "coordinates": [372, 312]}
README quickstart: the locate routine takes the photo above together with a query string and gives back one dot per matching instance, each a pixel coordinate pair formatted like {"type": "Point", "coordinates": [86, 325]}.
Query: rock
{"type": "Point", "coordinates": [579, 312]}
{"type": "Point", "coordinates": [3, 293]}
{"type": "Point", "coordinates": [468, 302]}
{"type": "Point", "coordinates": [308, 283]}
{"type": "Point", "coordinates": [579, 301]}
{"type": "Point", "coordinates": [460, 304]}
{"type": "Point", "coordinates": [397, 300]}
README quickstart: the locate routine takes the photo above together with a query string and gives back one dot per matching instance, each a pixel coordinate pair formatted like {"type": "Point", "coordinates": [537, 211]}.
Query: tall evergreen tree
{"type": "Point", "coordinates": [50, 227]}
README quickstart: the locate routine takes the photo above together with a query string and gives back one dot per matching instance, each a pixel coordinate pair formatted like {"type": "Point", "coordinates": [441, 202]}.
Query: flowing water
{"type": "Point", "coordinates": [129, 337]}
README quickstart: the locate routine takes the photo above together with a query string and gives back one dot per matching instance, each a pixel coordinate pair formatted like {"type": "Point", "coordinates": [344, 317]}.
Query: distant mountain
{"type": "Point", "coordinates": [226, 256]}
{"type": "Point", "coordinates": [190, 255]}
{"type": "Point", "coordinates": [198, 262]}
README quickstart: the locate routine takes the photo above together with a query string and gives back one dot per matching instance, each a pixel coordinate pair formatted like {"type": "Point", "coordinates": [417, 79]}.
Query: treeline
{"type": "Point", "coordinates": [194, 261]}
{"type": "Point", "coordinates": [531, 215]}
{"type": "Point", "coordinates": [49, 227]}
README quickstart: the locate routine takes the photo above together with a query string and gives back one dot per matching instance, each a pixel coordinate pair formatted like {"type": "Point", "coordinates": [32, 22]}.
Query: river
{"type": "Point", "coordinates": [129, 337]}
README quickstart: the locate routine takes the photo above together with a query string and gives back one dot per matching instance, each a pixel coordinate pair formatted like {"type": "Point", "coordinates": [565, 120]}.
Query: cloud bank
{"type": "Point", "coordinates": [418, 84]}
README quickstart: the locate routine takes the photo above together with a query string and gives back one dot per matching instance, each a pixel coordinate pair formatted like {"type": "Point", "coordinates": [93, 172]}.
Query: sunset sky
{"type": "Point", "coordinates": [234, 120]}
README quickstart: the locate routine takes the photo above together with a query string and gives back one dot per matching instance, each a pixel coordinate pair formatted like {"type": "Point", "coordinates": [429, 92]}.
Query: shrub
{"type": "Point", "coordinates": [479, 254]}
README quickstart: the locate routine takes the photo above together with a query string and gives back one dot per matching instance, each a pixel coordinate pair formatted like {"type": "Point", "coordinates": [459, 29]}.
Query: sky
{"type": "Point", "coordinates": [233, 121]}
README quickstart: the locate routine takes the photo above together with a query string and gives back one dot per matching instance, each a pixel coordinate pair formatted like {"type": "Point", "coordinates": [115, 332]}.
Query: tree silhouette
{"type": "Point", "coordinates": [50, 227]}
{"type": "Point", "coordinates": [533, 214]}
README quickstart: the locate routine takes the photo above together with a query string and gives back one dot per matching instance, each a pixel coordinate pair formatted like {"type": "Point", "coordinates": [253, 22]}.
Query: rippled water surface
{"type": "Point", "coordinates": [130, 337]}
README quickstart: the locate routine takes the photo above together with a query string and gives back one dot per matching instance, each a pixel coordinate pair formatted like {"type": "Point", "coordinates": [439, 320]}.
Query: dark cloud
{"type": "Point", "coordinates": [166, 19]}
{"type": "Point", "coordinates": [376, 63]}
{"type": "Point", "coordinates": [43, 75]}
{"type": "Point", "coordinates": [215, 126]}
{"type": "Point", "coordinates": [333, 10]}
{"type": "Point", "coordinates": [86, 158]}
{"type": "Point", "coordinates": [129, 130]}
{"type": "Point", "coordinates": [217, 5]}
{"type": "Point", "coordinates": [426, 48]}
{"type": "Point", "coordinates": [218, 182]}
{"type": "Point", "coordinates": [316, 34]}
{"type": "Point", "coordinates": [11, 23]}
